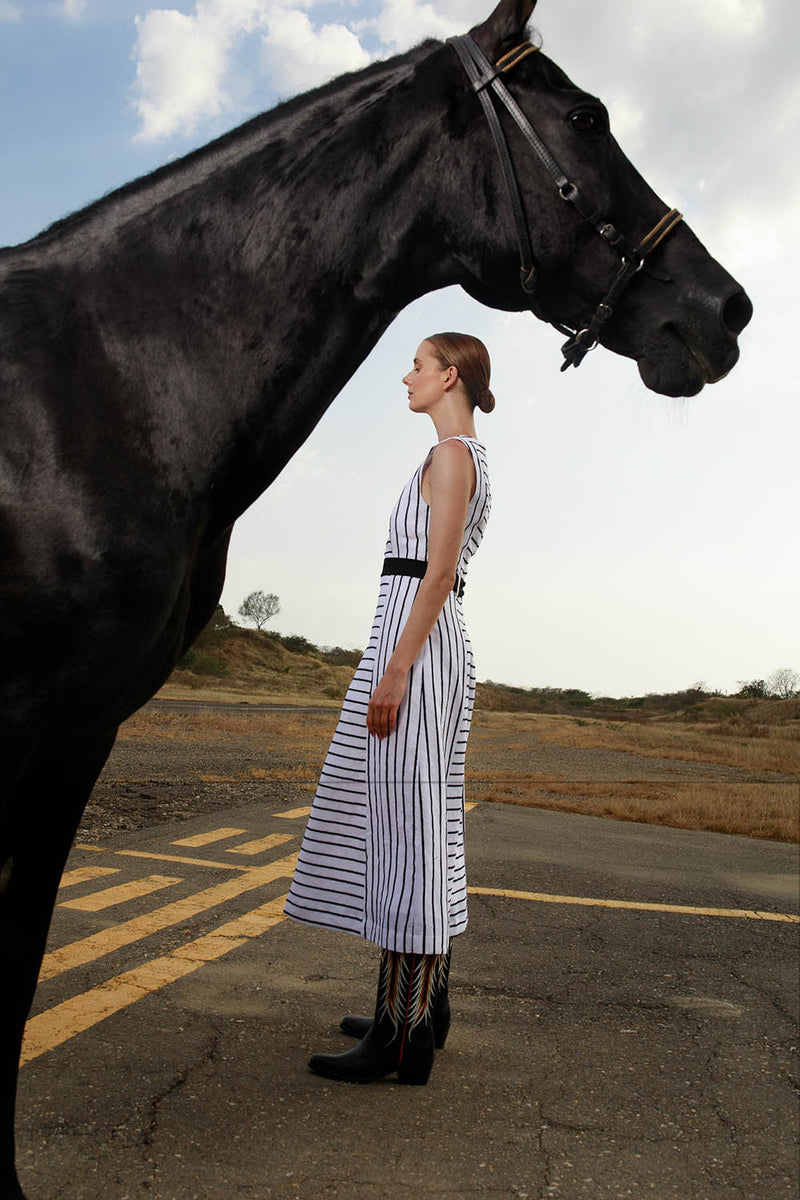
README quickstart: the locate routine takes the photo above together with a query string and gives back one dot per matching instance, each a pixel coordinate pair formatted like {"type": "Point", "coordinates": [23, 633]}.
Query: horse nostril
{"type": "Point", "coordinates": [736, 312]}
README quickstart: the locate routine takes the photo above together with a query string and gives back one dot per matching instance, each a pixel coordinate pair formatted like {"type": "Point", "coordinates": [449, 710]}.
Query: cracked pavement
{"type": "Point", "coordinates": [596, 1053]}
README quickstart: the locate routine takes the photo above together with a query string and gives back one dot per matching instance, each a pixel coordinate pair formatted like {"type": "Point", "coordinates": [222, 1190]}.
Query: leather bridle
{"type": "Point", "coordinates": [485, 79]}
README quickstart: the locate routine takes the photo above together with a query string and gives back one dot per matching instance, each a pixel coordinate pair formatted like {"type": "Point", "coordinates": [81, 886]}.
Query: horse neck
{"type": "Point", "coordinates": [246, 289]}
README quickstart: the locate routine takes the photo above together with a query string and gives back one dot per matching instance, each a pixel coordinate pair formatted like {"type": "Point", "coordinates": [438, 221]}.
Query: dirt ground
{"type": "Point", "coordinates": [174, 761]}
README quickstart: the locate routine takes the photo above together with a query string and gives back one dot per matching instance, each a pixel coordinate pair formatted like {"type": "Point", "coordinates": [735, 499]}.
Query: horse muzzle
{"type": "Point", "coordinates": [681, 320]}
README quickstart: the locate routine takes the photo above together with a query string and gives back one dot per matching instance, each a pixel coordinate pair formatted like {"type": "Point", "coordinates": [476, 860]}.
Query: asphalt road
{"type": "Point", "coordinates": [634, 1046]}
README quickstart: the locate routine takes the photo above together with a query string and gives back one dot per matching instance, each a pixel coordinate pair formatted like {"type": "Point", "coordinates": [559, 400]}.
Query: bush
{"type": "Point", "coordinates": [219, 622]}
{"type": "Point", "coordinates": [203, 662]}
{"type": "Point", "coordinates": [297, 644]}
{"type": "Point", "coordinates": [337, 656]}
{"type": "Point", "coordinates": [752, 689]}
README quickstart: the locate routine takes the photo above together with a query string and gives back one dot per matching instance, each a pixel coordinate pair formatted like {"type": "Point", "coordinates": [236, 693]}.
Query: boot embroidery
{"type": "Point", "coordinates": [422, 988]}
{"type": "Point", "coordinates": [407, 988]}
{"type": "Point", "coordinates": [389, 987]}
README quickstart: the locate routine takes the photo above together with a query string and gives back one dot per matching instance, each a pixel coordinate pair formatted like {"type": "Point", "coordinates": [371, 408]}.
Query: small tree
{"type": "Point", "coordinates": [784, 683]}
{"type": "Point", "coordinates": [752, 689]}
{"type": "Point", "coordinates": [259, 607]}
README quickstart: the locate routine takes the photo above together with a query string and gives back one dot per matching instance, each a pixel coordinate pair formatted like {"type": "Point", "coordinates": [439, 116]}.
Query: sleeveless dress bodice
{"type": "Point", "coordinates": [410, 519]}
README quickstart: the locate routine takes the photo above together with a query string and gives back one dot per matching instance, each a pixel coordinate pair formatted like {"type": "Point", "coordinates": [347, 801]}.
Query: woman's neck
{"type": "Point", "coordinates": [449, 425]}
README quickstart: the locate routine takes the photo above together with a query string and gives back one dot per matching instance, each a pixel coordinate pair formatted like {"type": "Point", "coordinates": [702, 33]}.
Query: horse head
{"type": "Point", "coordinates": [588, 212]}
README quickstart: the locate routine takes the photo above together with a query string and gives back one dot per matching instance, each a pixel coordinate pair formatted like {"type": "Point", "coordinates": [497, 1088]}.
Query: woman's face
{"type": "Point", "coordinates": [427, 382]}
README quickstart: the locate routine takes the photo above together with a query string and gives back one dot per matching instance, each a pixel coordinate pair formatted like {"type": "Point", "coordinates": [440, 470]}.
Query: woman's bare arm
{"type": "Point", "coordinates": [451, 476]}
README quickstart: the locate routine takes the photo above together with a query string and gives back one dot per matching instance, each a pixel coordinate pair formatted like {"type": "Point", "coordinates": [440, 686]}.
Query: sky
{"type": "Point", "coordinates": [637, 543]}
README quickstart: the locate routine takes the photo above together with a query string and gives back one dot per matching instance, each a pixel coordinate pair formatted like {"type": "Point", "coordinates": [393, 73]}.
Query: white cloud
{"type": "Point", "coordinates": [180, 68]}
{"type": "Point", "coordinates": [9, 12]}
{"type": "Point", "coordinates": [298, 57]}
{"type": "Point", "coordinates": [183, 61]}
{"type": "Point", "coordinates": [627, 118]}
{"type": "Point", "coordinates": [74, 9]}
{"type": "Point", "coordinates": [404, 23]}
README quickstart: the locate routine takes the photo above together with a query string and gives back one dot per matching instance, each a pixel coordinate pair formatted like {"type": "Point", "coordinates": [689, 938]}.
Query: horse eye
{"type": "Point", "coordinates": [586, 120]}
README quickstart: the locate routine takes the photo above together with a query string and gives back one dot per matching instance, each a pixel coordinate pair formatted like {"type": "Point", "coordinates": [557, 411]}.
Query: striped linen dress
{"type": "Point", "coordinates": [383, 852]}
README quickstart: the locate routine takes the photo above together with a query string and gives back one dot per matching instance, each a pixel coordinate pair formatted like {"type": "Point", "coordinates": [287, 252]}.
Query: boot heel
{"type": "Point", "coordinates": [416, 1070]}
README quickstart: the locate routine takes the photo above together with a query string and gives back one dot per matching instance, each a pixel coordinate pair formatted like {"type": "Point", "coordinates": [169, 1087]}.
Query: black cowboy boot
{"type": "Point", "coordinates": [359, 1027]}
{"type": "Point", "coordinates": [401, 1036]}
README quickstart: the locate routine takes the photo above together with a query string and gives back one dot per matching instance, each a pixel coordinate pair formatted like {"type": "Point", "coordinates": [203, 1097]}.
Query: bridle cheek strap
{"type": "Point", "coordinates": [486, 78]}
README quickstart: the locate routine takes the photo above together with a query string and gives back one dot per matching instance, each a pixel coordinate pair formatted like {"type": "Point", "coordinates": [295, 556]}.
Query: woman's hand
{"type": "Point", "coordinates": [385, 701]}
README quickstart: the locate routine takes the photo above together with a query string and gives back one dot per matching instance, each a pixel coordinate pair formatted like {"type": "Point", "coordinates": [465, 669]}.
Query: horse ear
{"type": "Point", "coordinates": [505, 28]}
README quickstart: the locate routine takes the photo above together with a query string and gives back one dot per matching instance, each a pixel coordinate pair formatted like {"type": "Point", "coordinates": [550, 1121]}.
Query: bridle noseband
{"type": "Point", "coordinates": [485, 78]}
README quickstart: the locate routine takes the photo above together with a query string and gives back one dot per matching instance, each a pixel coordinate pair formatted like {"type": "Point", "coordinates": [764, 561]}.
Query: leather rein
{"type": "Point", "coordinates": [485, 79]}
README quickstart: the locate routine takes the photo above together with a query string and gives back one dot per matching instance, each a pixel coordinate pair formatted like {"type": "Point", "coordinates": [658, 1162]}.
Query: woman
{"type": "Point", "coordinates": [383, 852]}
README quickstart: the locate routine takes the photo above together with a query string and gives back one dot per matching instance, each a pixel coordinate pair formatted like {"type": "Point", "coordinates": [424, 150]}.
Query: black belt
{"type": "Point", "coordinates": [416, 567]}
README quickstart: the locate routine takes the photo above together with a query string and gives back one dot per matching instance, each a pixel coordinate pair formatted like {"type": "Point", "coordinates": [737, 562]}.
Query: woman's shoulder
{"type": "Point", "coordinates": [451, 463]}
{"type": "Point", "coordinates": [456, 446]}
{"type": "Point", "coordinates": [451, 451]}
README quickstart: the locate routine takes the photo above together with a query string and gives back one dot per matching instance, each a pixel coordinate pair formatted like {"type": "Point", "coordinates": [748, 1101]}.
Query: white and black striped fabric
{"type": "Point", "coordinates": [383, 851]}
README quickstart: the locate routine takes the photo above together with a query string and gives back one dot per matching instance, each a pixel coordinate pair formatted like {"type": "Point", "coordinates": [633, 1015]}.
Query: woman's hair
{"type": "Point", "coordinates": [471, 359]}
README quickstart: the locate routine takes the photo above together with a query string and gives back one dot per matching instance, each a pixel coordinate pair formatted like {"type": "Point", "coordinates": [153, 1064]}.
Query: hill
{"type": "Point", "coordinates": [226, 658]}
{"type": "Point", "coordinates": [228, 662]}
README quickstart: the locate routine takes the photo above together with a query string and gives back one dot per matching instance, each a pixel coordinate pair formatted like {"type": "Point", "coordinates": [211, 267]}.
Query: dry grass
{"type": "Point", "coordinates": [220, 693]}
{"type": "Point", "coordinates": [748, 746]}
{"type": "Point", "coordinates": [753, 809]}
{"type": "Point", "coordinates": [293, 746]}
{"type": "Point", "coordinates": [301, 730]}
{"type": "Point", "coordinates": [760, 806]}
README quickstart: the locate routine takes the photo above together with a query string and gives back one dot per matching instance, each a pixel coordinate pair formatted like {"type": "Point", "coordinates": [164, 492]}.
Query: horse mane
{"type": "Point", "coordinates": [353, 90]}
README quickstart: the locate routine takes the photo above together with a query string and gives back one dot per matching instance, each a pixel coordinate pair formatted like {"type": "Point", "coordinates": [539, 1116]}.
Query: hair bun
{"type": "Point", "coordinates": [486, 401]}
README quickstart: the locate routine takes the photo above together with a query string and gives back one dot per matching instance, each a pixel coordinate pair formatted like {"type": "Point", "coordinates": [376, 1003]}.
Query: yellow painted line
{"type": "Point", "coordinates": [58, 1024]}
{"type": "Point", "coordinates": [84, 874]}
{"type": "Point", "coordinates": [265, 843]}
{"type": "Point", "coordinates": [469, 807]}
{"type": "Point", "coordinates": [293, 813]}
{"type": "Point", "coordinates": [88, 949]}
{"type": "Point", "coordinates": [751, 914]}
{"type": "Point", "coordinates": [107, 897]}
{"type": "Point", "coordinates": [86, 846]}
{"type": "Point", "coordinates": [205, 839]}
{"type": "Point", "coordinates": [178, 858]}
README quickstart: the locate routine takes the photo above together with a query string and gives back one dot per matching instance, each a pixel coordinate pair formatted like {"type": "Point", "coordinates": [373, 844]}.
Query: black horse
{"type": "Point", "coordinates": [164, 353]}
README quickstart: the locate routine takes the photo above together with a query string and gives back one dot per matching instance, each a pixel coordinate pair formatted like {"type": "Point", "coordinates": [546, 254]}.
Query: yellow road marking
{"type": "Point", "coordinates": [752, 914]}
{"type": "Point", "coordinates": [178, 858]}
{"type": "Point", "coordinates": [97, 945]}
{"type": "Point", "coordinates": [83, 874]}
{"type": "Point", "coordinates": [294, 812]}
{"type": "Point", "coordinates": [469, 807]}
{"type": "Point", "coordinates": [205, 839]}
{"type": "Point", "coordinates": [265, 843]}
{"type": "Point", "coordinates": [86, 846]}
{"type": "Point", "coordinates": [62, 1022]}
{"type": "Point", "coordinates": [107, 897]}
